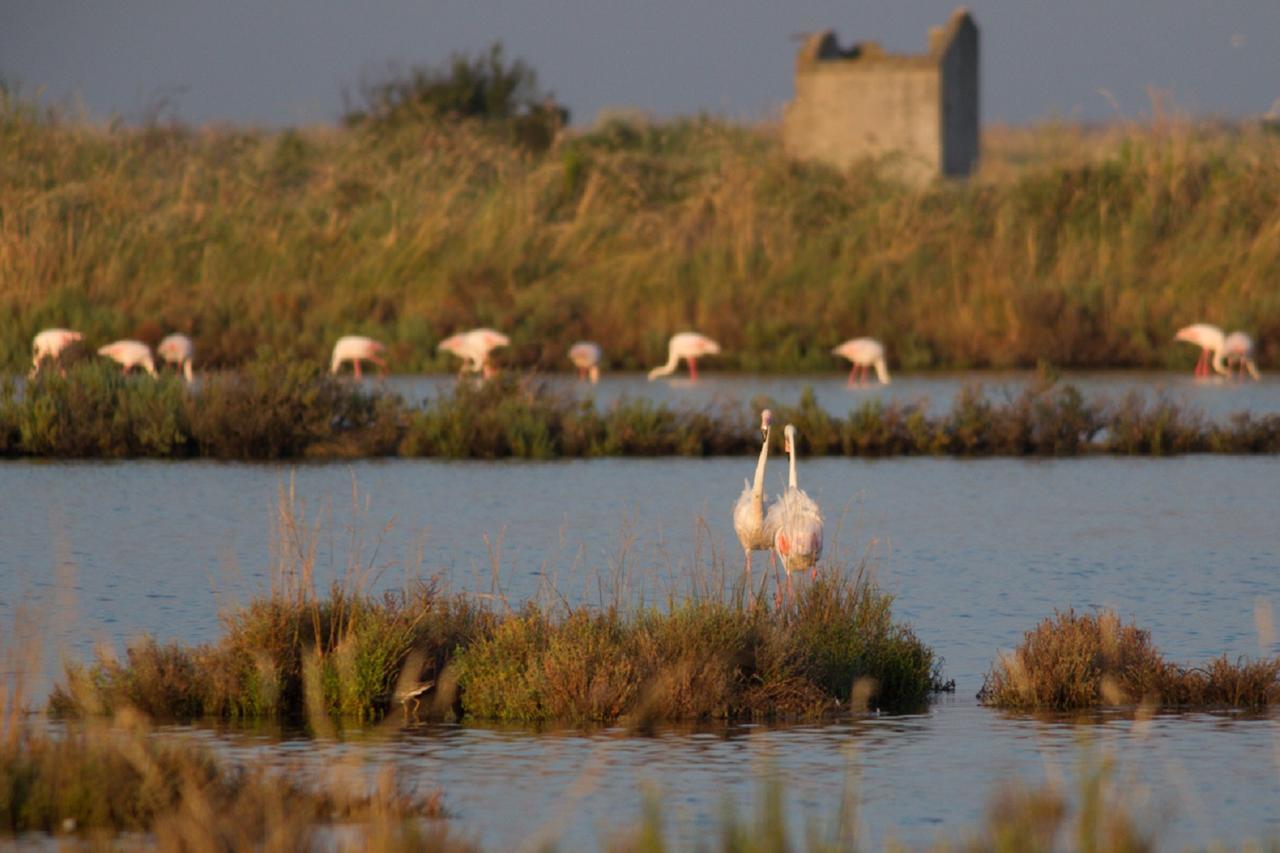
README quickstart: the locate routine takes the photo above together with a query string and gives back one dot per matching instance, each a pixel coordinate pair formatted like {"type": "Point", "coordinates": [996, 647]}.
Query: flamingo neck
{"type": "Point", "coordinates": [757, 486]}
{"type": "Point", "coordinates": [673, 359]}
{"type": "Point", "coordinates": [1219, 359]}
{"type": "Point", "coordinates": [791, 451]}
{"type": "Point", "coordinates": [187, 371]}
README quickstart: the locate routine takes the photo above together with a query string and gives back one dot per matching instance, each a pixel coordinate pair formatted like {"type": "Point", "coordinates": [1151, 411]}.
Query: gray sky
{"type": "Point", "coordinates": [281, 62]}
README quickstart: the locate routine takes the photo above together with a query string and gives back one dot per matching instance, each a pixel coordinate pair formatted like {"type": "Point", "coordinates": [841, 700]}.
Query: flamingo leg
{"type": "Point", "coordinates": [693, 369]}
{"type": "Point", "coordinates": [853, 371]}
{"type": "Point", "coordinates": [357, 364]}
{"type": "Point", "coordinates": [1201, 363]}
{"type": "Point", "coordinates": [746, 570]}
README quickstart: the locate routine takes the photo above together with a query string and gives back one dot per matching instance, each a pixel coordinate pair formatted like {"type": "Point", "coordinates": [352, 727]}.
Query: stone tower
{"type": "Point", "coordinates": [918, 113]}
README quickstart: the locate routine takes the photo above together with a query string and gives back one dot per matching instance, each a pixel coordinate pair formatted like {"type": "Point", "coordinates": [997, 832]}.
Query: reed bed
{"type": "Point", "coordinates": [286, 410]}
{"type": "Point", "coordinates": [1085, 247]}
{"type": "Point", "coordinates": [1073, 661]}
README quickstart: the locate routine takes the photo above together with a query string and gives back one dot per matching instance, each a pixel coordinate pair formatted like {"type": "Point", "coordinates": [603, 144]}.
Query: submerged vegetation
{"type": "Point", "coordinates": [1076, 661]}
{"type": "Point", "coordinates": [275, 409]}
{"type": "Point", "coordinates": [1087, 247]}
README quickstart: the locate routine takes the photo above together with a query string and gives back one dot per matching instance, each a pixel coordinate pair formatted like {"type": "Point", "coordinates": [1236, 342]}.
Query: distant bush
{"type": "Point", "coordinates": [485, 88]}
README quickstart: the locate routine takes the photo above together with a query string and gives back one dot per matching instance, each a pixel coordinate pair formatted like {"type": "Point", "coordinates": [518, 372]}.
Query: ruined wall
{"type": "Point", "coordinates": [917, 114]}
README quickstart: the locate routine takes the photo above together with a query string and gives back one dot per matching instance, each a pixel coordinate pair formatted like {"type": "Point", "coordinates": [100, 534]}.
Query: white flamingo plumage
{"type": "Point", "coordinates": [473, 348]}
{"type": "Point", "coordinates": [749, 512]}
{"type": "Point", "coordinates": [796, 521]}
{"type": "Point", "coordinates": [130, 354]}
{"type": "Point", "coordinates": [1237, 350]}
{"type": "Point", "coordinates": [865, 353]}
{"type": "Point", "coordinates": [177, 349]}
{"type": "Point", "coordinates": [49, 344]}
{"type": "Point", "coordinates": [687, 345]}
{"type": "Point", "coordinates": [585, 356]}
{"type": "Point", "coordinates": [1210, 340]}
{"type": "Point", "coordinates": [355, 349]}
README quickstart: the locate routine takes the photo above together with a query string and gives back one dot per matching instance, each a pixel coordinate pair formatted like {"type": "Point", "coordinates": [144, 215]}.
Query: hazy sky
{"type": "Point", "coordinates": [287, 61]}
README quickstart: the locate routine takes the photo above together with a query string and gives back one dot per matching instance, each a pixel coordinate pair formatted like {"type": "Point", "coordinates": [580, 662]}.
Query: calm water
{"type": "Point", "coordinates": [1216, 397]}
{"type": "Point", "coordinates": [977, 551]}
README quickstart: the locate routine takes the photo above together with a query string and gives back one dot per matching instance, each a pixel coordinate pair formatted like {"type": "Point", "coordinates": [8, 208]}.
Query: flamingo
{"type": "Point", "coordinates": [796, 521]}
{"type": "Point", "coordinates": [355, 349]}
{"type": "Point", "coordinates": [585, 356]}
{"type": "Point", "coordinates": [689, 346]}
{"type": "Point", "coordinates": [50, 344]}
{"type": "Point", "coordinates": [178, 349]}
{"type": "Point", "coordinates": [473, 348]}
{"type": "Point", "coordinates": [748, 512]}
{"type": "Point", "coordinates": [1238, 349]}
{"type": "Point", "coordinates": [1210, 340]}
{"type": "Point", "coordinates": [130, 354]}
{"type": "Point", "coordinates": [865, 353]}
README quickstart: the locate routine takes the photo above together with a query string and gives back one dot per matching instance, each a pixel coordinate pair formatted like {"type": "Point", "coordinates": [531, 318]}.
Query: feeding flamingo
{"type": "Point", "coordinates": [585, 356]}
{"type": "Point", "coordinates": [687, 345]}
{"type": "Point", "coordinates": [50, 344]}
{"type": "Point", "coordinates": [748, 512]}
{"type": "Point", "coordinates": [1238, 350]}
{"type": "Point", "coordinates": [1210, 340]}
{"type": "Point", "coordinates": [865, 353]}
{"type": "Point", "coordinates": [796, 521]}
{"type": "Point", "coordinates": [177, 349]}
{"type": "Point", "coordinates": [130, 354]}
{"type": "Point", "coordinates": [473, 348]}
{"type": "Point", "coordinates": [355, 349]}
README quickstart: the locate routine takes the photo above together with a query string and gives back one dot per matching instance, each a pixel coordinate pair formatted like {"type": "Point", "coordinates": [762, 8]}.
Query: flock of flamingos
{"type": "Point", "coordinates": [789, 527]}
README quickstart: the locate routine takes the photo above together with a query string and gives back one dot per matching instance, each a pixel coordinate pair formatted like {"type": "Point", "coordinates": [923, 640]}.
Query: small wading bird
{"type": "Point", "coordinates": [865, 353]}
{"type": "Point", "coordinates": [130, 354]}
{"type": "Point", "coordinates": [749, 512]}
{"type": "Point", "coordinates": [49, 345]}
{"type": "Point", "coordinates": [687, 345]}
{"type": "Point", "coordinates": [473, 348]}
{"type": "Point", "coordinates": [1238, 351]}
{"type": "Point", "coordinates": [355, 349]}
{"type": "Point", "coordinates": [1210, 340]}
{"type": "Point", "coordinates": [585, 356]}
{"type": "Point", "coordinates": [178, 350]}
{"type": "Point", "coordinates": [796, 521]}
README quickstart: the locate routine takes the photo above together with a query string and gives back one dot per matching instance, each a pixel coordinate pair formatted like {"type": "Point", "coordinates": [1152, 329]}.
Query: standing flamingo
{"type": "Point", "coordinates": [178, 349]}
{"type": "Point", "coordinates": [748, 512]}
{"type": "Point", "coordinates": [865, 353]}
{"type": "Point", "coordinates": [1238, 349]}
{"type": "Point", "coordinates": [473, 348]}
{"type": "Point", "coordinates": [585, 356]}
{"type": "Point", "coordinates": [355, 349]}
{"type": "Point", "coordinates": [689, 346]}
{"type": "Point", "coordinates": [796, 521]}
{"type": "Point", "coordinates": [1210, 340]}
{"type": "Point", "coordinates": [130, 354]}
{"type": "Point", "coordinates": [50, 344]}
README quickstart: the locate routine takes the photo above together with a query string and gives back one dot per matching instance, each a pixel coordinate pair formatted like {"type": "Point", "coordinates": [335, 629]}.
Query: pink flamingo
{"type": "Point", "coordinates": [1238, 349]}
{"type": "Point", "coordinates": [355, 349]}
{"type": "Point", "coordinates": [473, 348]}
{"type": "Point", "coordinates": [865, 353]}
{"type": "Point", "coordinates": [177, 349]}
{"type": "Point", "coordinates": [749, 511]}
{"type": "Point", "coordinates": [1210, 340]}
{"type": "Point", "coordinates": [796, 522]}
{"type": "Point", "coordinates": [687, 345]}
{"type": "Point", "coordinates": [585, 356]}
{"type": "Point", "coordinates": [50, 344]}
{"type": "Point", "coordinates": [130, 354]}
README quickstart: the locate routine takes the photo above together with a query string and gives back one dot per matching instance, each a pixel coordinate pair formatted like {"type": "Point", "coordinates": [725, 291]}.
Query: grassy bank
{"type": "Point", "coordinates": [1092, 660]}
{"type": "Point", "coordinates": [280, 410]}
{"type": "Point", "coordinates": [1087, 248]}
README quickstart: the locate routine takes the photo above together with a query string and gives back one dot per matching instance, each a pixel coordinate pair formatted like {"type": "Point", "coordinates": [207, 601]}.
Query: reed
{"type": "Point", "coordinates": [1074, 661]}
{"type": "Point", "coordinates": [278, 410]}
{"type": "Point", "coordinates": [1085, 247]}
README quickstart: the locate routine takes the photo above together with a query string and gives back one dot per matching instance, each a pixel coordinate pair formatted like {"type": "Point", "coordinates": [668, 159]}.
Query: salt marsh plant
{"type": "Point", "coordinates": [1076, 661]}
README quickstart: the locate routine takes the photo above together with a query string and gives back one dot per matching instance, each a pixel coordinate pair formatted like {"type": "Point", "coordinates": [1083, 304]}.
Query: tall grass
{"type": "Point", "coordinates": [708, 651]}
{"type": "Point", "coordinates": [1084, 248]}
{"type": "Point", "coordinates": [1090, 660]}
{"type": "Point", "coordinates": [274, 410]}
